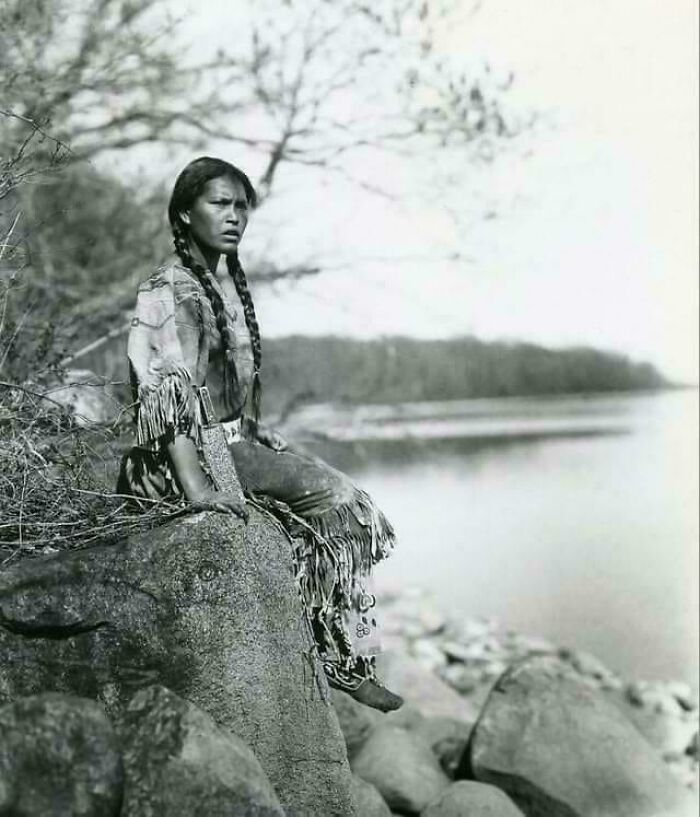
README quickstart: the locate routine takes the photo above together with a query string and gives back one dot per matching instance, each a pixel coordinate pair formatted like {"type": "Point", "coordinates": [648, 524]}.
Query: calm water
{"type": "Point", "coordinates": [571, 518]}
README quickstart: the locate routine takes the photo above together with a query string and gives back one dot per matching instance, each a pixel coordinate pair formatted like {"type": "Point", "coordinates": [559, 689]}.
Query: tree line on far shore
{"type": "Point", "coordinates": [398, 369]}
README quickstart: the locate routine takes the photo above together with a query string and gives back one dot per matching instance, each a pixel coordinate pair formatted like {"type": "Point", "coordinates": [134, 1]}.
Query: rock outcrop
{"type": "Point", "coordinates": [179, 763]}
{"type": "Point", "coordinates": [205, 606]}
{"type": "Point", "coordinates": [59, 757]}
{"type": "Point", "coordinates": [559, 748]}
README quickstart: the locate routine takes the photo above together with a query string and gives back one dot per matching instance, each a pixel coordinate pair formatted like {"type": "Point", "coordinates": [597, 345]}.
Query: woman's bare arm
{"type": "Point", "coordinates": [184, 458]}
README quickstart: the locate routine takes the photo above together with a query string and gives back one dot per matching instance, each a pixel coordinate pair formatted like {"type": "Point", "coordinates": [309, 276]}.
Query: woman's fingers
{"type": "Point", "coordinates": [271, 438]}
{"type": "Point", "coordinates": [223, 503]}
{"type": "Point", "coordinates": [279, 443]}
{"type": "Point", "coordinates": [236, 507]}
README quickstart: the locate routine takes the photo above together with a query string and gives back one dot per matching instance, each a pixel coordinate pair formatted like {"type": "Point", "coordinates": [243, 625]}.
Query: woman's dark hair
{"type": "Point", "coordinates": [188, 186]}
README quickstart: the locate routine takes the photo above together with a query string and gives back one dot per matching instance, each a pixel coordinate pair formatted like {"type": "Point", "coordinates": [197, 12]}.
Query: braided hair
{"type": "Point", "coordinates": [188, 186]}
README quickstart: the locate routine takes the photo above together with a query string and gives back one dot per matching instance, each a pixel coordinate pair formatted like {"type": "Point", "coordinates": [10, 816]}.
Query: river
{"type": "Point", "coordinates": [572, 518]}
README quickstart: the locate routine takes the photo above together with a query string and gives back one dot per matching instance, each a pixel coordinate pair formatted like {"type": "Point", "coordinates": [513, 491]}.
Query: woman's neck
{"type": "Point", "coordinates": [204, 255]}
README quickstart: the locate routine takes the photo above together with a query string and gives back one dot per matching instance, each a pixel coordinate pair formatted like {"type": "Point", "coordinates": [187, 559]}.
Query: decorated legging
{"type": "Point", "coordinates": [338, 534]}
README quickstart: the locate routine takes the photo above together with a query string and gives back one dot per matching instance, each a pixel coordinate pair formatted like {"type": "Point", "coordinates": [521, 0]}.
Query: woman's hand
{"type": "Point", "coordinates": [197, 489]}
{"type": "Point", "coordinates": [211, 500]}
{"type": "Point", "coordinates": [271, 438]}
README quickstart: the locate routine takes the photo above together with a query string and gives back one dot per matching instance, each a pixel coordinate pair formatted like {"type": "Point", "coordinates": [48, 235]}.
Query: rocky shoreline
{"type": "Point", "coordinates": [469, 655]}
{"type": "Point", "coordinates": [173, 675]}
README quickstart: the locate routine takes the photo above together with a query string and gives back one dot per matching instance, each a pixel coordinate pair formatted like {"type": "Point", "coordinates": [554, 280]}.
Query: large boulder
{"type": "Point", "coordinates": [356, 720]}
{"type": "Point", "coordinates": [179, 763]}
{"type": "Point", "coordinates": [448, 738]}
{"type": "Point", "coordinates": [470, 799]}
{"type": "Point", "coordinates": [205, 606]}
{"type": "Point", "coordinates": [368, 801]}
{"type": "Point", "coordinates": [402, 767]}
{"type": "Point", "coordinates": [560, 748]}
{"type": "Point", "coordinates": [59, 757]}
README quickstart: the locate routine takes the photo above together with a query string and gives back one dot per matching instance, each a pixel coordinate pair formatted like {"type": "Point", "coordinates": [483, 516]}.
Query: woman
{"type": "Point", "coordinates": [187, 332]}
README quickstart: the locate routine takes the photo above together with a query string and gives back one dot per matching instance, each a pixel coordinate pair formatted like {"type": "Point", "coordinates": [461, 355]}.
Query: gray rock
{"type": "Point", "coordinates": [76, 389]}
{"type": "Point", "coordinates": [428, 654]}
{"type": "Point", "coordinates": [462, 678]}
{"type": "Point", "coordinates": [368, 801]}
{"type": "Point", "coordinates": [447, 738]}
{"type": "Point", "coordinates": [433, 697]}
{"type": "Point", "coordinates": [59, 757]}
{"type": "Point", "coordinates": [402, 767]}
{"type": "Point", "coordinates": [668, 733]}
{"type": "Point", "coordinates": [469, 799]}
{"type": "Point", "coordinates": [179, 763]}
{"type": "Point", "coordinates": [655, 697]}
{"type": "Point", "coordinates": [356, 720]}
{"type": "Point", "coordinates": [205, 606]}
{"type": "Point", "coordinates": [586, 664]}
{"type": "Point", "coordinates": [407, 717]}
{"type": "Point", "coordinates": [560, 748]}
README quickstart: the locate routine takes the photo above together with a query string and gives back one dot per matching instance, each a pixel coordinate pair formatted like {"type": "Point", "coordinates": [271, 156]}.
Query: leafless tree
{"type": "Point", "coordinates": [302, 82]}
{"type": "Point", "coordinates": [295, 82]}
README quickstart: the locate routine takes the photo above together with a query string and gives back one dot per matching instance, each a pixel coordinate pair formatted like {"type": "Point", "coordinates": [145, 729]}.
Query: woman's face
{"type": "Point", "coordinates": [219, 216]}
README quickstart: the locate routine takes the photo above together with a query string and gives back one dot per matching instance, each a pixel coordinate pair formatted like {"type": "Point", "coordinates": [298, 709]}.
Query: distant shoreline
{"type": "Point", "coordinates": [302, 370]}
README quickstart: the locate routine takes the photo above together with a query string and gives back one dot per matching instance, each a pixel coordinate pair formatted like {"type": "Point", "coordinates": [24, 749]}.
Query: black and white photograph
{"type": "Point", "coordinates": [349, 413]}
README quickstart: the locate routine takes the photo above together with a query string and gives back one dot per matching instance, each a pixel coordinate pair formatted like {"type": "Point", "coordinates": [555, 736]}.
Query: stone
{"type": "Point", "coordinates": [87, 395]}
{"type": "Point", "coordinates": [408, 717]}
{"type": "Point", "coordinates": [684, 694]}
{"type": "Point", "coordinates": [356, 720]}
{"type": "Point", "coordinates": [433, 620]}
{"type": "Point", "coordinates": [447, 739]}
{"type": "Point", "coordinates": [560, 748]}
{"type": "Point", "coordinates": [525, 645]}
{"type": "Point", "coordinates": [586, 664]}
{"type": "Point", "coordinates": [463, 679]}
{"type": "Point", "coordinates": [402, 767]}
{"type": "Point", "coordinates": [655, 697]}
{"type": "Point", "coordinates": [179, 763]}
{"type": "Point", "coordinates": [685, 770]}
{"type": "Point", "coordinates": [470, 799]}
{"type": "Point", "coordinates": [205, 606]}
{"type": "Point", "coordinates": [368, 801]}
{"type": "Point", "coordinates": [670, 734]}
{"type": "Point", "coordinates": [428, 654]}
{"type": "Point", "coordinates": [457, 651]}
{"type": "Point", "coordinates": [59, 757]}
{"type": "Point", "coordinates": [433, 697]}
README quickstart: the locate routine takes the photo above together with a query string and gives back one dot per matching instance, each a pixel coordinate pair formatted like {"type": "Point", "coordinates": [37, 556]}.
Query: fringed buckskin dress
{"type": "Point", "coordinates": [338, 534]}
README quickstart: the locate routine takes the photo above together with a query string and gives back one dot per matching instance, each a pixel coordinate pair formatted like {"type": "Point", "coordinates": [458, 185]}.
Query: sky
{"type": "Point", "coordinates": [584, 232]}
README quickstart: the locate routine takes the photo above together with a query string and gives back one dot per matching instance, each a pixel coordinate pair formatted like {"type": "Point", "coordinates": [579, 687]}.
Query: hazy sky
{"type": "Point", "coordinates": [584, 234]}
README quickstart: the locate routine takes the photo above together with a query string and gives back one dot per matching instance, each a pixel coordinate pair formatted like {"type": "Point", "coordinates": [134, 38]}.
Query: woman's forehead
{"type": "Point", "coordinates": [225, 186]}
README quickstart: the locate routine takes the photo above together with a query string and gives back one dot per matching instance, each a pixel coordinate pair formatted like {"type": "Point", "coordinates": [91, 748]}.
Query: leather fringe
{"type": "Point", "coordinates": [171, 405]}
{"type": "Point", "coordinates": [335, 549]}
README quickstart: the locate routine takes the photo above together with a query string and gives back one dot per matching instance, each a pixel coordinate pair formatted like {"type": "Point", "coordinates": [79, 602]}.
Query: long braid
{"type": "Point", "coordinates": [235, 270]}
{"type": "Point", "coordinates": [228, 343]}
{"type": "Point", "coordinates": [188, 186]}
